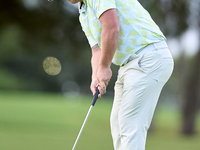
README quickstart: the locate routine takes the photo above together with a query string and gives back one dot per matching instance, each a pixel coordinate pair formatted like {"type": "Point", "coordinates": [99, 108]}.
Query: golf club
{"type": "Point", "coordinates": [86, 118]}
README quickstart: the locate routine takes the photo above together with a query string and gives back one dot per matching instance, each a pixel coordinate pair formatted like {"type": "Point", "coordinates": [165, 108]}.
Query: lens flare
{"type": "Point", "coordinates": [52, 66]}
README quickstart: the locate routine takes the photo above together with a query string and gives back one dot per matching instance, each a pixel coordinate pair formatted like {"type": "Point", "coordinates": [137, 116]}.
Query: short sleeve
{"type": "Point", "coordinates": [90, 37]}
{"type": "Point", "coordinates": [103, 5]}
{"type": "Point", "coordinates": [91, 41]}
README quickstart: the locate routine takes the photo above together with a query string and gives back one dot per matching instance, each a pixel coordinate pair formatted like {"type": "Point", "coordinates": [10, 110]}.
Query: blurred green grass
{"type": "Point", "coordinates": [43, 121]}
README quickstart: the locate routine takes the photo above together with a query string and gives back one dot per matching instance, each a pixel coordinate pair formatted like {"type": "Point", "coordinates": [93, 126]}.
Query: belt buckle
{"type": "Point", "coordinates": [132, 57]}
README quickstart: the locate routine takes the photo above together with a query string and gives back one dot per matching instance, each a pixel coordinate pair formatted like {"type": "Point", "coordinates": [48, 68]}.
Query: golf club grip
{"type": "Point", "coordinates": [95, 97]}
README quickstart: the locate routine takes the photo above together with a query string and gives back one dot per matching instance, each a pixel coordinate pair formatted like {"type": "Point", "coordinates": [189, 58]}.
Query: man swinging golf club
{"type": "Point", "coordinates": [123, 32]}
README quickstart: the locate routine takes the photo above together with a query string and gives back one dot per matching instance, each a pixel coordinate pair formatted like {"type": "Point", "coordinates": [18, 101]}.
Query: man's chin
{"type": "Point", "coordinates": [74, 1]}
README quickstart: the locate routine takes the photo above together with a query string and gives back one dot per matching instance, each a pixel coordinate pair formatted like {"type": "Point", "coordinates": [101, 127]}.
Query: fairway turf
{"type": "Point", "coordinates": [42, 121]}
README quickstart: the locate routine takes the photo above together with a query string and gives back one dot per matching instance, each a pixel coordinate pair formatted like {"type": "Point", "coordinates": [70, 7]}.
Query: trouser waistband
{"type": "Point", "coordinates": [148, 48]}
{"type": "Point", "coordinates": [152, 47]}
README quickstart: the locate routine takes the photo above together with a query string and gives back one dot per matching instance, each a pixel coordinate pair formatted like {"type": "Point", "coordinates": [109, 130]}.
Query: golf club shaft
{"type": "Point", "coordinates": [86, 118]}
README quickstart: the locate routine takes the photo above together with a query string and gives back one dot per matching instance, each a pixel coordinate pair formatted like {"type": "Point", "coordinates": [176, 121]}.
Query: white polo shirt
{"type": "Point", "coordinates": [137, 29]}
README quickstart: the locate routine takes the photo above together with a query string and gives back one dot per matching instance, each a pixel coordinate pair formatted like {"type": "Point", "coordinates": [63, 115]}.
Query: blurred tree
{"type": "Point", "coordinates": [191, 96]}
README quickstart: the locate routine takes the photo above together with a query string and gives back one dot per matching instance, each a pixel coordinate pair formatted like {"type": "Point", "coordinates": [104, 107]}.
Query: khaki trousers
{"type": "Point", "coordinates": [137, 91]}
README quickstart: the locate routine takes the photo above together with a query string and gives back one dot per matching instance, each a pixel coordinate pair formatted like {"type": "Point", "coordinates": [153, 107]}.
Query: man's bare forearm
{"type": "Point", "coordinates": [110, 39]}
{"type": "Point", "coordinates": [96, 53]}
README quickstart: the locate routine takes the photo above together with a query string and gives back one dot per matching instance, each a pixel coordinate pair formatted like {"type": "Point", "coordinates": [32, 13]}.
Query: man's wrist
{"type": "Point", "coordinates": [104, 64]}
{"type": "Point", "coordinates": [94, 78]}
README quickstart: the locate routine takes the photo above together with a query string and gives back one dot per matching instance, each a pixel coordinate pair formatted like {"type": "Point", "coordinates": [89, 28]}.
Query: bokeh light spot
{"type": "Point", "coordinates": [52, 66]}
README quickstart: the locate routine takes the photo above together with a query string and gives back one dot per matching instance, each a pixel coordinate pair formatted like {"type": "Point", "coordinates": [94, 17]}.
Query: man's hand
{"type": "Point", "coordinates": [93, 86]}
{"type": "Point", "coordinates": [104, 75]}
{"type": "Point", "coordinates": [101, 82]}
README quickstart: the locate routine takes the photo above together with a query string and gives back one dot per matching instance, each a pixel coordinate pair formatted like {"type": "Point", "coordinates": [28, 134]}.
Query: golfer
{"type": "Point", "coordinates": [122, 32]}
